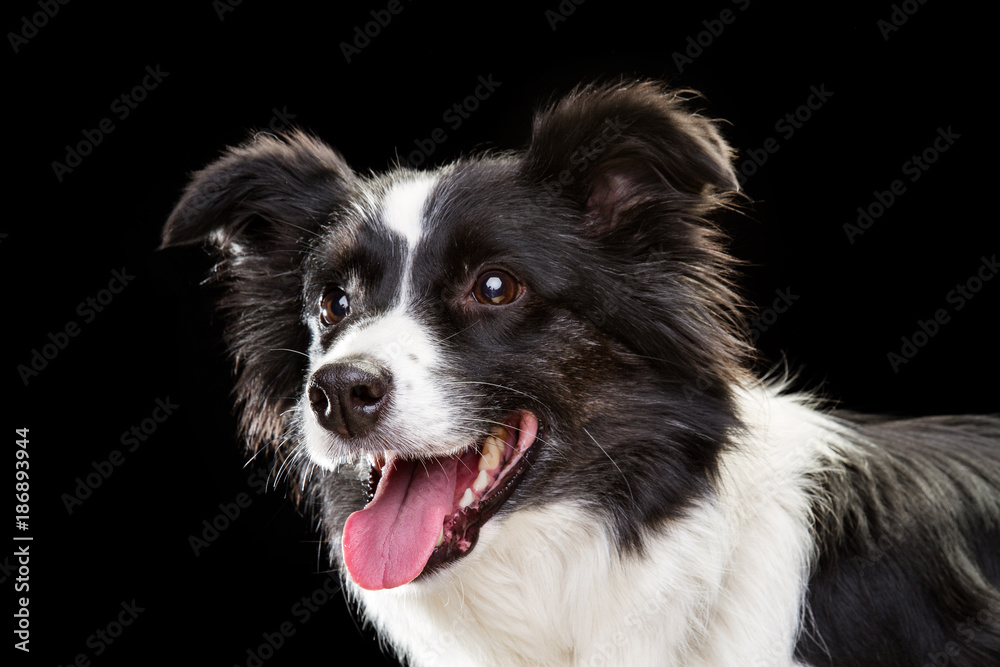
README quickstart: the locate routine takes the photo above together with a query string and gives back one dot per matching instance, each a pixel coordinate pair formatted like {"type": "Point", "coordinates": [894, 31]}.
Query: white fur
{"type": "Point", "coordinates": [403, 204]}
{"type": "Point", "coordinates": [722, 586]}
{"type": "Point", "coordinates": [419, 421]}
{"type": "Point", "coordinates": [425, 417]}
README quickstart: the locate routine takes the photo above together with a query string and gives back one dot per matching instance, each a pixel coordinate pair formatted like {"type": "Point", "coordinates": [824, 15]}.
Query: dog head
{"type": "Point", "coordinates": [436, 348]}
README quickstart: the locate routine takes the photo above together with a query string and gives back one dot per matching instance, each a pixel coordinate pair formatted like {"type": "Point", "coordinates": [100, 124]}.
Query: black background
{"type": "Point", "coordinates": [229, 73]}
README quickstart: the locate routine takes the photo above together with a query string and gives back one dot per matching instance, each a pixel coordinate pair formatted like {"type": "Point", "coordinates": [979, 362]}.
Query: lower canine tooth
{"type": "Point", "coordinates": [440, 539]}
{"type": "Point", "coordinates": [467, 498]}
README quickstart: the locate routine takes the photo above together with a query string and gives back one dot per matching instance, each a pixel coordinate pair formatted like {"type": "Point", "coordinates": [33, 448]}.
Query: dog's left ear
{"type": "Point", "coordinates": [612, 149]}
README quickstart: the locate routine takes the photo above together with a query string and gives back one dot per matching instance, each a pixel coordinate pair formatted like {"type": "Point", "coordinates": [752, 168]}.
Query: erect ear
{"type": "Point", "coordinates": [259, 206]}
{"type": "Point", "coordinates": [641, 172]}
{"type": "Point", "coordinates": [615, 148]}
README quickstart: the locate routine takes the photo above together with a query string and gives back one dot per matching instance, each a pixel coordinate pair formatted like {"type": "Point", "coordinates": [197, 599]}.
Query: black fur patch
{"type": "Point", "coordinates": [908, 531]}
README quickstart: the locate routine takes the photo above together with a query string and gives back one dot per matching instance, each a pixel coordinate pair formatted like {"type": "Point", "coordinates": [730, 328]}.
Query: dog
{"type": "Point", "coordinates": [518, 386]}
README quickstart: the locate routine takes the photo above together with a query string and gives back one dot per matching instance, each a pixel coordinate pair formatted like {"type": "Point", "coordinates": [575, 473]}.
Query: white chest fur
{"type": "Point", "coordinates": [722, 586]}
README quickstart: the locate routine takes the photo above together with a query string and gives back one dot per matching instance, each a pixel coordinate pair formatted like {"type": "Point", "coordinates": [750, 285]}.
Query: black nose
{"type": "Point", "coordinates": [349, 397]}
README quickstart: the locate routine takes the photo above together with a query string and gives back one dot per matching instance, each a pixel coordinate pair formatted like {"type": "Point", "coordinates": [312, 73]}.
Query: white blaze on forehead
{"type": "Point", "coordinates": [403, 205]}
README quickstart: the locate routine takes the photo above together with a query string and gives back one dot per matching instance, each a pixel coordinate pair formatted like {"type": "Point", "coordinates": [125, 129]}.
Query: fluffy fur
{"type": "Point", "coordinates": [678, 511]}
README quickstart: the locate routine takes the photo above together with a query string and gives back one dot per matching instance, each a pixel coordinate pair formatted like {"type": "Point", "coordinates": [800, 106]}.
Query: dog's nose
{"type": "Point", "coordinates": [349, 397]}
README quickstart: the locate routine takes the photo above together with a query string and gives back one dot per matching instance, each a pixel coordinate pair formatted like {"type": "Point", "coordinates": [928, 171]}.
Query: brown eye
{"type": "Point", "coordinates": [496, 288]}
{"type": "Point", "coordinates": [333, 306]}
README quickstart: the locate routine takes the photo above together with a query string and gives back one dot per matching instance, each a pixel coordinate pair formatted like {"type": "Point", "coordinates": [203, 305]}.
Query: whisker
{"type": "Point", "coordinates": [620, 471]}
{"type": "Point", "coordinates": [285, 349]}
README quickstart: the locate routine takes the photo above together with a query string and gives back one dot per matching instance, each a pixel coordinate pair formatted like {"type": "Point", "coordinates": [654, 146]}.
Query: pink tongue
{"type": "Point", "coordinates": [387, 544]}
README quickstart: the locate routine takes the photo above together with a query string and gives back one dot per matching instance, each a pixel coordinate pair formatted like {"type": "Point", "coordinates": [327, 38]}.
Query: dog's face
{"type": "Point", "coordinates": [436, 350]}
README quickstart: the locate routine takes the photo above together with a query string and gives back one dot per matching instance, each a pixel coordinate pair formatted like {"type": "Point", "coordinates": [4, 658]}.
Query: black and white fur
{"type": "Point", "coordinates": [680, 511]}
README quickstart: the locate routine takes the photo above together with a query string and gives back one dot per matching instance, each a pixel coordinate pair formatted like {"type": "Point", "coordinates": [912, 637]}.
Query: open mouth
{"type": "Point", "coordinates": [426, 513]}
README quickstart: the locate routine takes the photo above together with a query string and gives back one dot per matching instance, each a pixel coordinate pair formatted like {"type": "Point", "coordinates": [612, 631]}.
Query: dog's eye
{"type": "Point", "coordinates": [333, 306]}
{"type": "Point", "coordinates": [496, 288]}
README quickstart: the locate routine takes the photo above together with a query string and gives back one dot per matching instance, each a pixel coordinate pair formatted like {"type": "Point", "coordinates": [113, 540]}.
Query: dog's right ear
{"type": "Point", "coordinates": [260, 206]}
{"type": "Point", "coordinates": [268, 194]}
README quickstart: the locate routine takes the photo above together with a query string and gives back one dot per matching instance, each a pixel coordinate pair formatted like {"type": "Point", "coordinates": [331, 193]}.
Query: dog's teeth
{"type": "Point", "coordinates": [467, 499]}
{"type": "Point", "coordinates": [440, 539]}
{"type": "Point", "coordinates": [482, 481]}
{"type": "Point", "coordinates": [492, 453]}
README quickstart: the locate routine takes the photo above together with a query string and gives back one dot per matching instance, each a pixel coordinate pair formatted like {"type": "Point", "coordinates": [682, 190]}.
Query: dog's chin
{"type": "Point", "coordinates": [425, 512]}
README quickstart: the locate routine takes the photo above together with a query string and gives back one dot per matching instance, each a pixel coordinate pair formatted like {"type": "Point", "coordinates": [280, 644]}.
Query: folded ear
{"type": "Point", "coordinates": [614, 148]}
{"type": "Point", "coordinates": [260, 206]}
{"type": "Point", "coordinates": [271, 192]}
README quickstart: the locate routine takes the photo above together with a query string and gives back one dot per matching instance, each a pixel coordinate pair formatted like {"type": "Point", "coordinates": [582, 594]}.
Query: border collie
{"type": "Point", "coordinates": [524, 404]}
